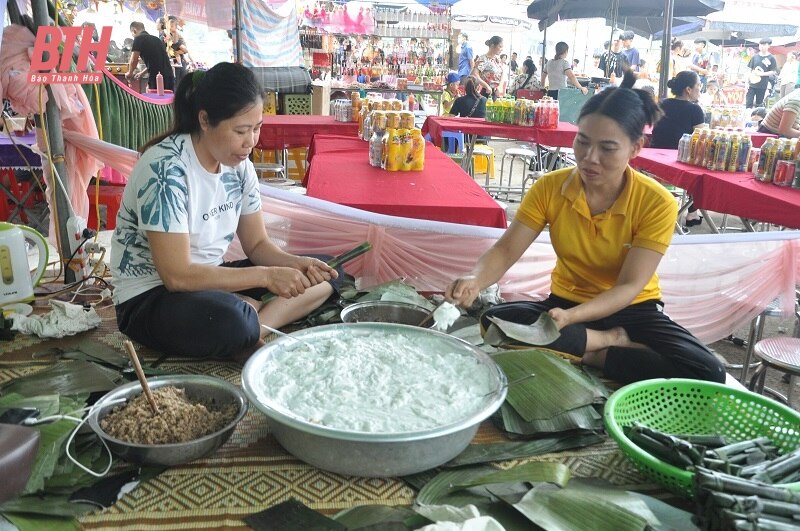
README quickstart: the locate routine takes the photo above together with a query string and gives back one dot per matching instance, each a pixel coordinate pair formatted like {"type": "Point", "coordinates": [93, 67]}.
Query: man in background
{"type": "Point", "coordinates": [513, 64]}
{"type": "Point", "coordinates": [152, 51]}
{"type": "Point", "coordinates": [762, 67]}
{"type": "Point", "coordinates": [466, 58]}
{"type": "Point", "coordinates": [630, 53]}
{"type": "Point", "coordinates": [612, 60]}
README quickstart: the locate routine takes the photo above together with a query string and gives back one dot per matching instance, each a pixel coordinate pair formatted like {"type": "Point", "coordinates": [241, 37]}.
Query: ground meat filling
{"type": "Point", "coordinates": [179, 419]}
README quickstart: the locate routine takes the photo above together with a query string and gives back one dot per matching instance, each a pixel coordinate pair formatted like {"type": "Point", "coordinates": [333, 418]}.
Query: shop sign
{"type": "Point", "coordinates": [54, 49]}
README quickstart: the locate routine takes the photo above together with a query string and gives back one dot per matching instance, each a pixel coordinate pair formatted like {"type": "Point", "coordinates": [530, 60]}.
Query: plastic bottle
{"type": "Point", "coordinates": [693, 145]}
{"type": "Point", "coordinates": [412, 104]}
{"type": "Point", "coordinates": [159, 84]}
{"type": "Point", "coordinates": [733, 156]}
{"type": "Point", "coordinates": [700, 150]}
{"type": "Point", "coordinates": [744, 153]}
{"type": "Point", "coordinates": [417, 150]}
{"type": "Point", "coordinates": [723, 147]}
{"type": "Point", "coordinates": [376, 141]}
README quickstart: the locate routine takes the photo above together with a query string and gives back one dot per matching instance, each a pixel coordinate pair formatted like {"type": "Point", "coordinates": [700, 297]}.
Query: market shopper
{"type": "Point", "coordinates": [763, 67]}
{"type": "Point", "coordinates": [190, 193]}
{"type": "Point", "coordinates": [154, 54]}
{"type": "Point", "coordinates": [681, 115]}
{"type": "Point", "coordinates": [466, 58]}
{"type": "Point", "coordinates": [783, 118]}
{"type": "Point", "coordinates": [610, 227]}
{"type": "Point", "coordinates": [788, 75]}
{"type": "Point", "coordinates": [527, 79]}
{"type": "Point", "coordinates": [701, 61]}
{"type": "Point", "coordinates": [472, 104]}
{"type": "Point", "coordinates": [559, 71]}
{"type": "Point", "coordinates": [488, 69]}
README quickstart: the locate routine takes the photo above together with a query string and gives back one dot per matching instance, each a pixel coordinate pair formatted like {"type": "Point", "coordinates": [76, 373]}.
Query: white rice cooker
{"type": "Point", "coordinates": [16, 279]}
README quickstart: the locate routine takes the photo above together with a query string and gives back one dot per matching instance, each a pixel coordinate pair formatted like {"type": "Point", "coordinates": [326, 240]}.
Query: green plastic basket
{"type": "Point", "coordinates": [694, 407]}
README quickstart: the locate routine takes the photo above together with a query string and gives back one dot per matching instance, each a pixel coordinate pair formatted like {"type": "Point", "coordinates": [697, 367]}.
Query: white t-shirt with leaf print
{"type": "Point", "coordinates": [169, 191]}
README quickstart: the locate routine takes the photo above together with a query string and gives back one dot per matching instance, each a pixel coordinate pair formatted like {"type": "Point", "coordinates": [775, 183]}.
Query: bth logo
{"type": "Point", "coordinates": [48, 42]}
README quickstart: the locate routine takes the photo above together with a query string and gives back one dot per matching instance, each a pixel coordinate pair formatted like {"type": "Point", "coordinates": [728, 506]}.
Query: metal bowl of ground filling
{"type": "Point", "coordinates": [385, 312]}
{"type": "Point", "coordinates": [373, 399]}
{"type": "Point", "coordinates": [224, 400]}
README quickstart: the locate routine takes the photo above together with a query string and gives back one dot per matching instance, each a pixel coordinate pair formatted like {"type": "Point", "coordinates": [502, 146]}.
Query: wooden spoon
{"type": "Point", "coordinates": [140, 374]}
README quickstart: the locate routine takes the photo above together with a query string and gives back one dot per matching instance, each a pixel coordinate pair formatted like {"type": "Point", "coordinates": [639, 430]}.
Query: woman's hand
{"type": "Point", "coordinates": [584, 90]}
{"type": "Point", "coordinates": [315, 270]}
{"type": "Point", "coordinates": [286, 282]}
{"type": "Point", "coordinates": [561, 317]}
{"type": "Point", "coordinates": [463, 291]}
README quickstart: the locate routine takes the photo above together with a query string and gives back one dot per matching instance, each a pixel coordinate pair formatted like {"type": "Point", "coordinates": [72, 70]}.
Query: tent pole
{"type": "Point", "coordinates": [237, 4]}
{"type": "Point", "coordinates": [666, 39]}
{"type": "Point", "coordinates": [544, 49]}
{"type": "Point", "coordinates": [56, 138]}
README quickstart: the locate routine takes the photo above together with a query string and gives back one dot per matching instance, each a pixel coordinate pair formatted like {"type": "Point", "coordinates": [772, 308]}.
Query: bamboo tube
{"type": "Point", "coordinates": [140, 374]}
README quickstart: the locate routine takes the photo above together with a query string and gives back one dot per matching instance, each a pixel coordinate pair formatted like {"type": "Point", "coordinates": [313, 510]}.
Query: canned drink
{"type": "Point", "coordinates": [784, 173]}
{"type": "Point", "coordinates": [751, 164]}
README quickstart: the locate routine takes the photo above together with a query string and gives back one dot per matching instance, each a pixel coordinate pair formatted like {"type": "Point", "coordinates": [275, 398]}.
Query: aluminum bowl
{"type": "Point", "coordinates": [368, 454]}
{"type": "Point", "coordinates": [385, 312]}
{"type": "Point", "coordinates": [205, 388]}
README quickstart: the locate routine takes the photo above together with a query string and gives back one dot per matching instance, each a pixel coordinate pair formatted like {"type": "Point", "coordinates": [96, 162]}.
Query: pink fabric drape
{"type": "Point", "coordinates": [712, 284]}
{"type": "Point", "coordinates": [76, 114]}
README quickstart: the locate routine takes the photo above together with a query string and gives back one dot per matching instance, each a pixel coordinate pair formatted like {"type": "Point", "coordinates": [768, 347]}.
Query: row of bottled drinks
{"type": "Point", "coordinates": [725, 150]}
{"type": "Point", "coordinates": [542, 113]}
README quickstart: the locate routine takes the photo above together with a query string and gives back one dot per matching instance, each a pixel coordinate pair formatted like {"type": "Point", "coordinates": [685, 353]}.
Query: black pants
{"type": "Point", "coordinates": [200, 324]}
{"type": "Point", "coordinates": [673, 351]}
{"type": "Point", "coordinates": [553, 94]}
{"type": "Point", "coordinates": [755, 97]}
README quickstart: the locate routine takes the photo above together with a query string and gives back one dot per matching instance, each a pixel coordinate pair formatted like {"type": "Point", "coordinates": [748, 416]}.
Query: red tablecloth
{"type": "Point", "coordinates": [291, 131]}
{"type": "Point", "coordinates": [738, 194]}
{"type": "Point", "coordinates": [340, 172]}
{"type": "Point", "coordinates": [561, 136]}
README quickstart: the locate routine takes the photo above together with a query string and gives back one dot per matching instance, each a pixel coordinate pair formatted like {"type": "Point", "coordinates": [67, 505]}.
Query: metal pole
{"type": "Point", "coordinates": [56, 139]}
{"type": "Point", "coordinates": [666, 40]}
{"type": "Point", "coordinates": [238, 23]}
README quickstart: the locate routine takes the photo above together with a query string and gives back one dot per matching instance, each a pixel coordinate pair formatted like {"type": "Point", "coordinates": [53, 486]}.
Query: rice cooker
{"type": "Point", "coordinates": [16, 279]}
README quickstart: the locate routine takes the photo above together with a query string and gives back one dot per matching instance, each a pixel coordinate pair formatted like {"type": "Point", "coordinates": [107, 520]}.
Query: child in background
{"type": "Point", "coordinates": [450, 92]}
{"type": "Point", "coordinates": [758, 114]}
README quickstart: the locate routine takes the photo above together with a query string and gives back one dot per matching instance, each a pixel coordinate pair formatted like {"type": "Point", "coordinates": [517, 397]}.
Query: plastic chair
{"type": "Point", "coordinates": [757, 332]}
{"type": "Point", "coordinates": [452, 142]}
{"type": "Point", "coordinates": [111, 198]}
{"type": "Point", "coordinates": [483, 161]}
{"type": "Point", "coordinates": [524, 154]}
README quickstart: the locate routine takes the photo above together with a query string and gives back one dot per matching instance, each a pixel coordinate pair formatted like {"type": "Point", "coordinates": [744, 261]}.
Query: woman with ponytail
{"type": "Point", "coordinates": [192, 191]}
{"type": "Point", "coordinates": [610, 226]}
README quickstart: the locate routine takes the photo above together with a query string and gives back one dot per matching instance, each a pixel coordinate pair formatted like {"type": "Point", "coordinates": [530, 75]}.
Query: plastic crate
{"type": "Point", "coordinates": [694, 407]}
{"type": "Point", "coordinates": [296, 103]}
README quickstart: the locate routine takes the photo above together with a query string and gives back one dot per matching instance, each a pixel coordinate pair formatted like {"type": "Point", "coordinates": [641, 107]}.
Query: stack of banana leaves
{"type": "Point", "coordinates": [738, 485]}
{"type": "Point", "coordinates": [53, 401]}
{"type": "Point", "coordinates": [548, 396]}
{"type": "Point", "coordinates": [525, 497]}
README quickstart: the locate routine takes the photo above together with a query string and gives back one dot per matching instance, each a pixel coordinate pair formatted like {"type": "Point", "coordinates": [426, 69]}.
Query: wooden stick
{"type": "Point", "coordinates": [140, 374]}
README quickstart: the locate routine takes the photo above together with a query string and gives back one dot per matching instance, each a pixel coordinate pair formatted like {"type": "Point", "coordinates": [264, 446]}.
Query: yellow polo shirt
{"type": "Point", "coordinates": [590, 249]}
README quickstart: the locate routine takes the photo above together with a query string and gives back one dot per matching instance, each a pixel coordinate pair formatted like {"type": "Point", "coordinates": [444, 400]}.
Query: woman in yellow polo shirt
{"type": "Point", "coordinates": [610, 227]}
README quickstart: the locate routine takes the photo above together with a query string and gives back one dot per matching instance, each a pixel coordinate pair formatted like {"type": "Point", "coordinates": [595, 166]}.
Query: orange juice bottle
{"type": "Point", "coordinates": [417, 150]}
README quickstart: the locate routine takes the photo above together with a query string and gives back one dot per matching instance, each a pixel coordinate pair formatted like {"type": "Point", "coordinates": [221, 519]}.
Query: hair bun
{"type": "Point", "coordinates": [671, 83]}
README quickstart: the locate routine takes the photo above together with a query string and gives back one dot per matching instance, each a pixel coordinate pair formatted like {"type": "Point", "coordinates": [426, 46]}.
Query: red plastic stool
{"type": "Point", "coordinates": [111, 198]}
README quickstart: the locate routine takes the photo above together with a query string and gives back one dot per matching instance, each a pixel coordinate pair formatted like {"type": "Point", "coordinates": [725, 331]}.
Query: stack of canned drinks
{"type": "Point", "coordinates": [716, 149]}
{"type": "Point", "coordinates": [778, 162]}
{"type": "Point", "coordinates": [342, 110]}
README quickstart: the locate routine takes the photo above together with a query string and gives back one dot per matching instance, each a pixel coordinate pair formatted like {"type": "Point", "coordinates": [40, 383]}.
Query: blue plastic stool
{"type": "Point", "coordinates": [457, 144]}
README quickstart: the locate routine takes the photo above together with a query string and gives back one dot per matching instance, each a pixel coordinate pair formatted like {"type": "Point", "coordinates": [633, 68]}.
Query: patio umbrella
{"type": "Point", "coordinates": [549, 11]}
{"type": "Point", "coordinates": [654, 26]}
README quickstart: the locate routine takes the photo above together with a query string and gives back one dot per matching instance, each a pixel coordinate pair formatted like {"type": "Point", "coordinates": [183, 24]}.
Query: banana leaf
{"type": "Point", "coordinates": [65, 378]}
{"type": "Point", "coordinates": [451, 481]}
{"type": "Point", "coordinates": [558, 386]}
{"type": "Point", "coordinates": [380, 517]}
{"type": "Point", "coordinates": [619, 497]}
{"type": "Point", "coordinates": [484, 453]}
{"type": "Point", "coordinates": [671, 518]}
{"type": "Point", "coordinates": [39, 522]}
{"type": "Point", "coordinates": [99, 353]}
{"type": "Point", "coordinates": [49, 505]}
{"type": "Point", "coordinates": [292, 514]}
{"type": "Point", "coordinates": [557, 509]}
{"type": "Point", "coordinates": [583, 418]}
{"type": "Point", "coordinates": [396, 291]}
{"type": "Point", "coordinates": [52, 438]}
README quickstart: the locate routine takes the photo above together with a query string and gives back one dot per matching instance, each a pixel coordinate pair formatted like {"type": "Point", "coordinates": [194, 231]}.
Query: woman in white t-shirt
{"type": "Point", "coordinates": [559, 70]}
{"type": "Point", "coordinates": [192, 191]}
{"type": "Point", "coordinates": [788, 75]}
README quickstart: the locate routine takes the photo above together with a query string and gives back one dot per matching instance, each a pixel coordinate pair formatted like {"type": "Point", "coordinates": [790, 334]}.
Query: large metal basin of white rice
{"type": "Point", "coordinates": [371, 453]}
